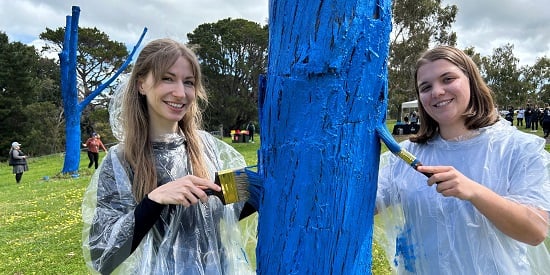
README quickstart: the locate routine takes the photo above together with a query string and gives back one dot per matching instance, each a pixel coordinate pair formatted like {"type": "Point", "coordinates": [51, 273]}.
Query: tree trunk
{"type": "Point", "coordinates": [70, 94]}
{"type": "Point", "coordinates": [326, 91]}
{"type": "Point", "coordinates": [72, 108]}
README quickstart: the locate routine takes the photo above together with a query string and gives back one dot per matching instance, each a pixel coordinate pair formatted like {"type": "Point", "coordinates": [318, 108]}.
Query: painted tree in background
{"type": "Point", "coordinates": [69, 91]}
{"type": "Point", "coordinates": [326, 91]}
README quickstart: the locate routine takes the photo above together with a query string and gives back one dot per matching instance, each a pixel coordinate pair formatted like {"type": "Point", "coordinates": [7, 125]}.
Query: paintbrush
{"type": "Point", "coordinates": [396, 149]}
{"type": "Point", "coordinates": [242, 184]}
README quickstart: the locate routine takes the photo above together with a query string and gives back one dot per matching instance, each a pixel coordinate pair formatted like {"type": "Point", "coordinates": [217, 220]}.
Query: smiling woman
{"type": "Point", "coordinates": [480, 209]}
{"type": "Point", "coordinates": [150, 193]}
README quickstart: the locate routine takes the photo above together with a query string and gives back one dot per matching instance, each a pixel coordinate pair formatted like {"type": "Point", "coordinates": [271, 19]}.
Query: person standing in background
{"type": "Point", "coordinates": [414, 117]}
{"type": "Point", "coordinates": [528, 115]}
{"type": "Point", "coordinates": [545, 120]}
{"type": "Point", "coordinates": [535, 115]}
{"type": "Point", "coordinates": [510, 115]}
{"type": "Point", "coordinates": [18, 160]}
{"type": "Point", "coordinates": [521, 115]}
{"type": "Point", "coordinates": [251, 129]}
{"type": "Point", "coordinates": [93, 145]}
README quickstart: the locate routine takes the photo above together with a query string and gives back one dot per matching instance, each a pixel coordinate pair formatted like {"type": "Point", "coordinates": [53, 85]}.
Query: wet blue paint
{"type": "Point", "coordinates": [405, 251]}
{"type": "Point", "coordinates": [325, 92]}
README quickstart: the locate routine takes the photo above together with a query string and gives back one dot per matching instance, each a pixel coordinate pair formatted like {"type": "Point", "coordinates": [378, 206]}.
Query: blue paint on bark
{"type": "Point", "coordinates": [326, 91]}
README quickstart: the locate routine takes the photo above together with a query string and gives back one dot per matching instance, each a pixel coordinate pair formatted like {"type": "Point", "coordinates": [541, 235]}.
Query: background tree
{"type": "Point", "coordinates": [537, 78]}
{"type": "Point", "coordinates": [476, 57]}
{"type": "Point", "coordinates": [98, 58]}
{"type": "Point", "coordinates": [504, 77]}
{"type": "Point", "coordinates": [233, 53]}
{"type": "Point", "coordinates": [417, 24]}
{"type": "Point", "coordinates": [28, 85]}
{"type": "Point", "coordinates": [71, 105]}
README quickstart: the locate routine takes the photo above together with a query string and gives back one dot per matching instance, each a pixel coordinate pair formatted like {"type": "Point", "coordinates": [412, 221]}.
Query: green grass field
{"type": "Point", "coordinates": [40, 220]}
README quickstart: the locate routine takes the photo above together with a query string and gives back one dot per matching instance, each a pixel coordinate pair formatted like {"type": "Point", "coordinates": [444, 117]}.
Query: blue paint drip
{"type": "Point", "coordinates": [405, 250]}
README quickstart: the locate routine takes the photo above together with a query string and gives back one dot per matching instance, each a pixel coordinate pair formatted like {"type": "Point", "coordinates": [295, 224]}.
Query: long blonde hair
{"type": "Point", "coordinates": [157, 57]}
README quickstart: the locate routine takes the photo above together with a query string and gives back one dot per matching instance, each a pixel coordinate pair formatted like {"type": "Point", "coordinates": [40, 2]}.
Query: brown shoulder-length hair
{"type": "Point", "coordinates": [157, 57]}
{"type": "Point", "coordinates": [481, 110]}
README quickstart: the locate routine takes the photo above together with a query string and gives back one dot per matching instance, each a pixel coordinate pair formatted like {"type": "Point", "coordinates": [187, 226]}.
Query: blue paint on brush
{"type": "Point", "coordinates": [388, 139]}
{"type": "Point", "coordinates": [255, 187]}
{"type": "Point", "coordinates": [396, 149]}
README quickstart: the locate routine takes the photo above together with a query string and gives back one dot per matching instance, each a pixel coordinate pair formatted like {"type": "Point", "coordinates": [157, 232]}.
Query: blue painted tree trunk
{"type": "Point", "coordinates": [70, 94]}
{"type": "Point", "coordinates": [326, 91]}
{"type": "Point", "coordinates": [71, 107]}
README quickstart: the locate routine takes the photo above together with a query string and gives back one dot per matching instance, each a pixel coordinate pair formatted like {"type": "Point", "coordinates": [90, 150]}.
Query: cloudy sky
{"type": "Point", "coordinates": [483, 24]}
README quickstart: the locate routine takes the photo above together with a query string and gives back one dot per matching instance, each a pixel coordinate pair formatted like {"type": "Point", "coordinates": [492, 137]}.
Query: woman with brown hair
{"type": "Point", "coordinates": [484, 209]}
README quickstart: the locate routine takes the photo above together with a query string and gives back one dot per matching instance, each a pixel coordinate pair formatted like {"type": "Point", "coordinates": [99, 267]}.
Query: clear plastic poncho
{"type": "Point", "coordinates": [200, 239]}
{"type": "Point", "coordinates": [424, 232]}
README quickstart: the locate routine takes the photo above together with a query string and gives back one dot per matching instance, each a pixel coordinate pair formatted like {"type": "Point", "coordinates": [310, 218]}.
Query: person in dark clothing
{"type": "Point", "coordinates": [18, 160]}
{"type": "Point", "coordinates": [535, 114]}
{"type": "Point", "coordinates": [528, 115]}
{"type": "Point", "coordinates": [251, 129]}
{"type": "Point", "coordinates": [510, 115]}
{"type": "Point", "coordinates": [546, 120]}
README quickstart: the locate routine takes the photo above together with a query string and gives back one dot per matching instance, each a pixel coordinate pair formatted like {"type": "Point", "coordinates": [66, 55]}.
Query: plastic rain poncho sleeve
{"type": "Point", "coordinates": [201, 239]}
{"type": "Point", "coordinates": [424, 232]}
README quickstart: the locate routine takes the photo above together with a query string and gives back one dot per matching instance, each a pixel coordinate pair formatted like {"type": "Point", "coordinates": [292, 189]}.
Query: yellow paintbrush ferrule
{"type": "Point", "coordinates": [229, 186]}
{"type": "Point", "coordinates": [406, 156]}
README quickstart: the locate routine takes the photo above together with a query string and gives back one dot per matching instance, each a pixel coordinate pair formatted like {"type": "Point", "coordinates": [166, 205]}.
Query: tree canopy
{"type": "Point", "coordinates": [98, 58]}
{"type": "Point", "coordinates": [30, 101]}
{"type": "Point", "coordinates": [233, 53]}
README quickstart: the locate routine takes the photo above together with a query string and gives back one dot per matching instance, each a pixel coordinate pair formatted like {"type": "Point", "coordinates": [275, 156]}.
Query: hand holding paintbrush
{"type": "Point", "coordinates": [394, 147]}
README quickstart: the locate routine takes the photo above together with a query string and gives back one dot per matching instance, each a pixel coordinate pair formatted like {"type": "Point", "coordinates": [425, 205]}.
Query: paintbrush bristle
{"type": "Point", "coordinates": [396, 149]}
{"type": "Point", "coordinates": [237, 183]}
{"type": "Point", "coordinates": [388, 139]}
{"type": "Point", "coordinates": [241, 181]}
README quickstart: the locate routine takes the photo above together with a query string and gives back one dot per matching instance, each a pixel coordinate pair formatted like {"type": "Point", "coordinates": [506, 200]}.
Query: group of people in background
{"type": "Point", "coordinates": [411, 118]}
{"type": "Point", "coordinates": [533, 116]}
{"type": "Point", "coordinates": [18, 160]}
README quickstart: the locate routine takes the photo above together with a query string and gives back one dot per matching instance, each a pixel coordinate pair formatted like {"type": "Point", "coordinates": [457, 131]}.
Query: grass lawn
{"type": "Point", "coordinates": [40, 220]}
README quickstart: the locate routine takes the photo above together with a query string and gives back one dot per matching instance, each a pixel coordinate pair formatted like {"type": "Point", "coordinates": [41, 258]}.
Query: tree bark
{"type": "Point", "coordinates": [326, 91]}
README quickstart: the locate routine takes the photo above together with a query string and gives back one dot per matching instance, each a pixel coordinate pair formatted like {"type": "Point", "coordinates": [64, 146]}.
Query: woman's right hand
{"type": "Point", "coordinates": [186, 191]}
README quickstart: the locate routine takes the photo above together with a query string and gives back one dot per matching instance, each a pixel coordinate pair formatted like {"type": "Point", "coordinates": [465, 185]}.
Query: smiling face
{"type": "Point", "coordinates": [444, 92]}
{"type": "Point", "coordinates": [169, 99]}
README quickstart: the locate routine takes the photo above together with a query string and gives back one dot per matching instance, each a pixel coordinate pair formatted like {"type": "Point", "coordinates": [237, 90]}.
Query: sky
{"type": "Point", "coordinates": [482, 24]}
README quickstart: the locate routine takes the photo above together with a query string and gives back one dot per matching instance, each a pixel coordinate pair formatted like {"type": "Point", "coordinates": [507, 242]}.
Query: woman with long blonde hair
{"type": "Point", "coordinates": [146, 210]}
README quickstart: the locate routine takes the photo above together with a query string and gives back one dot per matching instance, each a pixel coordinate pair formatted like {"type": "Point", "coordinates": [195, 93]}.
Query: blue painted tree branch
{"type": "Point", "coordinates": [326, 92]}
{"type": "Point", "coordinates": [106, 84]}
{"type": "Point", "coordinates": [72, 109]}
